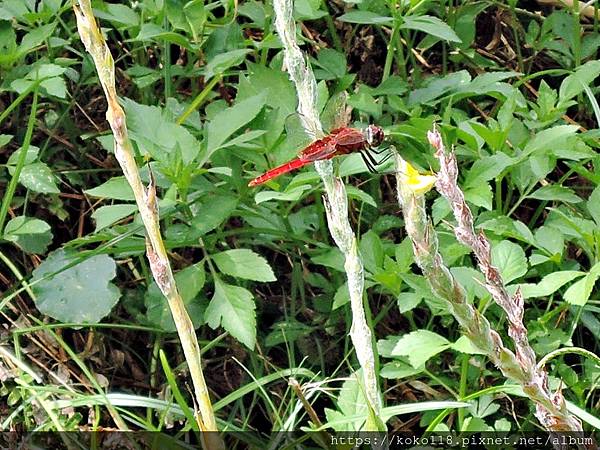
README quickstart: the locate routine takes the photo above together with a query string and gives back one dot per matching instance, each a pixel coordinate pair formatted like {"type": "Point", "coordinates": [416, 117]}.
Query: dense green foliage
{"type": "Point", "coordinates": [208, 108]}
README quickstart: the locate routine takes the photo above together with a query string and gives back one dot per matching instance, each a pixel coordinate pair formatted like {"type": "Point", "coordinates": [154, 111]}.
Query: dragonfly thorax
{"type": "Point", "coordinates": [374, 135]}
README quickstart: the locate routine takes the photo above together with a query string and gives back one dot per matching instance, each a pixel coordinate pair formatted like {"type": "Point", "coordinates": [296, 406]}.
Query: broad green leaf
{"type": "Point", "coordinates": [233, 308]}
{"type": "Point", "coordinates": [289, 195]}
{"type": "Point", "coordinates": [5, 139]}
{"type": "Point", "coordinates": [82, 293]}
{"type": "Point", "coordinates": [190, 282]}
{"type": "Point", "coordinates": [575, 83]}
{"type": "Point", "coordinates": [487, 168]}
{"type": "Point", "coordinates": [117, 188]}
{"type": "Point", "coordinates": [556, 193]}
{"type": "Point", "coordinates": [548, 139]}
{"type": "Point", "coordinates": [420, 346]}
{"type": "Point", "coordinates": [105, 216]}
{"type": "Point", "coordinates": [365, 17]}
{"type": "Point", "coordinates": [223, 61]}
{"type": "Point", "coordinates": [550, 283]}
{"type": "Point", "coordinates": [243, 263]}
{"type": "Point", "coordinates": [430, 25]}
{"type": "Point", "coordinates": [398, 369]}
{"type": "Point", "coordinates": [35, 37]}
{"type": "Point", "coordinates": [352, 407]}
{"type": "Point", "coordinates": [371, 251]}
{"type": "Point", "coordinates": [579, 292]}
{"type": "Point", "coordinates": [39, 178]}
{"type": "Point", "coordinates": [212, 213]}
{"type": "Point", "coordinates": [464, 345]}
{"type": "Point", "coordinates": [510, 260]}
{"type": "Point", "coordinates": [32, 235]}
{"type": "Point", "coordinates": [32, 154]}
{"type": "Point", "coordinates": [228, 121]}
{"type": "Point", "coordinates": [151, 31]}
{"type": "Point", "coordinates": [121, 14]}
{"type": "Point", "coordinates": [593, 205]}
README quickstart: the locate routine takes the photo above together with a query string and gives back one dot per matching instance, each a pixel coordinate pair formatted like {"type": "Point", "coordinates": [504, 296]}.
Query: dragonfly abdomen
{"type": "Point", "coordinates": [280, 170]}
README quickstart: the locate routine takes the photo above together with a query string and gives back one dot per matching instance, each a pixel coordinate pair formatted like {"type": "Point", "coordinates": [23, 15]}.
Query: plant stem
{"type": "Point", "coordinates": [12, 186]}
{"type": "Point", "coordinates": [147, 205]}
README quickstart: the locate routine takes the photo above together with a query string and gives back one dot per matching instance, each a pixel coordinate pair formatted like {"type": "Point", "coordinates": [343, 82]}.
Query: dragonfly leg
{"type": "Point", "coordinates": [368, 161]}
{"type": "Point", "coordinates": [380, 150]}
{"type": "Point", "coordinates": [382, 160]}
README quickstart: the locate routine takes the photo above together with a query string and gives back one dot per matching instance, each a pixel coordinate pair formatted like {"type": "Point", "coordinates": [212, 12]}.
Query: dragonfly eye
{"type": "Point", "coordinates": [374, 135]}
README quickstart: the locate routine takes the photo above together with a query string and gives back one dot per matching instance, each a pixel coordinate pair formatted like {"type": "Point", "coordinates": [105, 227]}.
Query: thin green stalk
{"type": "Point", "coordinates": [389, 57]}
{"type": "Point", "coordinates": [14, 269]}
{"type": "Point", "coordinates": [167, 62]}
{"type": "Point", "coordinates": [18, 101]}
{"type": "Point", "coordinates": [462, 389]}
{"type": "Point", "coordinates": [198, 100]}
{"type": "Point", "coordinates": [12, 186]}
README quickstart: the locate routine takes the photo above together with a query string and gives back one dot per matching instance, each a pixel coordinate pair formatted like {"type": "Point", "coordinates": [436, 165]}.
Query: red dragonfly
{"type": "Point", "coordinates": [340, 141]}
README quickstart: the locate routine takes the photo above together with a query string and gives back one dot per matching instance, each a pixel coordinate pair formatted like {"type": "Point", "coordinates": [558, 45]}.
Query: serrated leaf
{"type": "Point", "coordinates": [550, 283]}
{"type": "Point", "coordinates": [430, 25]}
{"type": "Point", "coordinates": [547, 139]}
{"type": "Point", "coordinates": [212, 213]}
{"type": "Point", "coordinates": [579, 292]}
{"type": "Point", "coordinates": [107, 215]}
{"type": "Point", "coordinates": [117, 188]}
{"type": "Point", "coordinates": [510, 259]}
{"type": "Point", "coordinates": [243, 263]}
{"type": "Point", "coordinates": [228, 121]}
{"type": "Point", "coordinates": [233, 308]}
{"type": "Point", "coordinates": [82, 293]}
{"type": "Point", "coordinates": [32, 235]}
{"type": "Point", "coordinates": [464, 345]}
{"type": "Point", "coordinates": [556, 193]}
{"type": "Point", "coordinates": [420, 346]}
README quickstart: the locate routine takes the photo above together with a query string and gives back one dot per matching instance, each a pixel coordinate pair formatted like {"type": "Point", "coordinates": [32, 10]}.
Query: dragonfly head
{"type": "Point", "coordinates": [374, 135]}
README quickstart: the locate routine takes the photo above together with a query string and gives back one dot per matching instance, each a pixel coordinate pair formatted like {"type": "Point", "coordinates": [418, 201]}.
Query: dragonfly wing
{"type": "Point", "coordinates": [297, 136]}
{"type": "Point", "coordinates": [349, 136]}
{"type": "Point", "coordinates": [319, 150]}
{"type": "Point", "coordinates": [336, 113]}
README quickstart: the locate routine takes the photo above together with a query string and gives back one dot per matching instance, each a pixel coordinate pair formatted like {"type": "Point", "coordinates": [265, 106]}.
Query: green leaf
{"type": "Point", "coordinates": [430, 25]}
{"type": "Point", "coordinates": [151, 31]}
{"type": "Point", "coordinates": [420, 346]}
{"type": "Point", "coordinates": [117, 188]}
{"type": "Point", "coordinates": [32, 235]}
{"type": "Point", "coordinates": [550, 283]}
{"type": "Point", "coordinates": [228, 121]}
{"type": "Point", "coordinates": [39, 178]}
{"type": "Point", "coordinates": [82, 293]}
{"type": "Point", "coordinates": [579, 292]}
{"type": "Point", "coordinates": [352, 407]}
{"type": "Point", "coordinates": [593, 205]}
{"type": "Point", "coordinates": [556, 193]}
{"type": "Point", "coordinates": [547, 139]}
{"type": "Point", "coordinates": [35, 37]}
{"type": "Point", "coordinates": [223, 61]}
{"type": "Point", "coordinates": [233, 307]}
{"type": "Point", "coordinates": [365, 17]}
{"type": "Point", "coordinates": [371, 250]}
{"type": "Point", "coordinates": [5, 139]}
{"type": "Point", "coordinates": [190, 282]}
{"type": "Point", "coordinates": [575, 83]}
{"type": "Point", "coordinates": [289, 195]}
{"type": "Point", "coordinates": [243, 263]}
{"type": "Point", "coordinates": [212, 213]}
{"type": "Point", "coordinates": [464, 345]}
{"type": "Point", "coordinates": [486, 169]}
{"type": "Point", "coordinates": [510, 259]}
{"type": "Point", "coordinates": [105, 216]}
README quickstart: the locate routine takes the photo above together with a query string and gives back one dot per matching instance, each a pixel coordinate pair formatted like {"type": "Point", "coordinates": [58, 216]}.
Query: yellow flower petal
{"type": "Point", "coordinates": [417, 183]}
